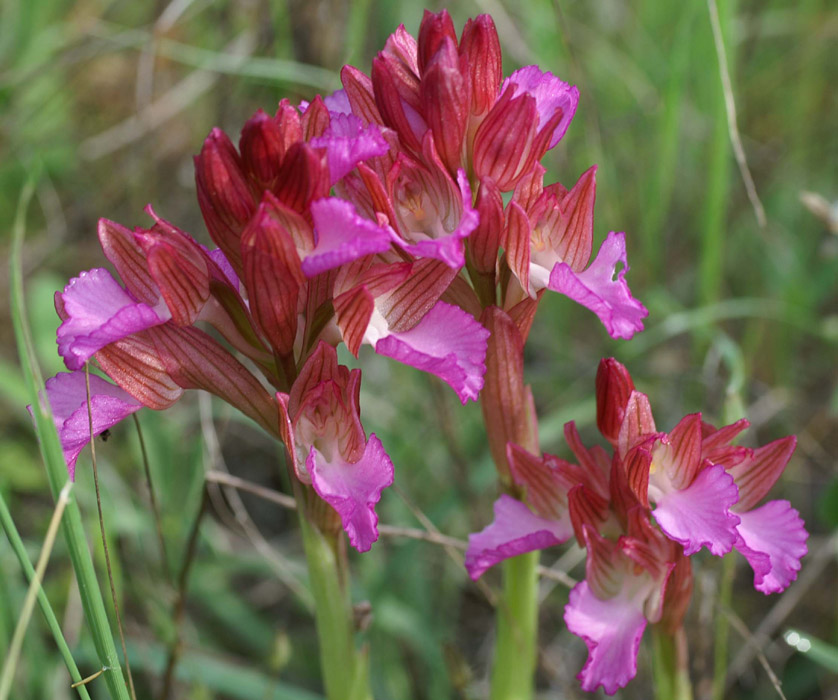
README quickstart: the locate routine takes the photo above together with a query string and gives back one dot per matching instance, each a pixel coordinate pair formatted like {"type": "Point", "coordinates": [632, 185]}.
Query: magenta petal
{"type": "Point", "coordinates": [612, 630]}
{"type": "Point", "coordinates": [353, 489]}
{"type": "Point", "coordinates": [447, 342]}
{"type": "Point", "coordinates": [597, 290]}
{"type": "Point", "coordinates": [773, 540]}
{"type": "Point", "coordinates": [348, 142]}
{"type": "Point", "coordinates": [699, 516]}
{"type": "Point", "coordinates": [515, 530]}
{"type": "Point", "coordinates": [338, 103]}
{"type": "Point", "coordinates": [341, 236]}
{"type": "Point", "coordinates": [218, 257]}
{"type": "Point", "coordinates": [99, 312]}
{"type": "Point", "coordinates": [67, 395]}
{"type": "Point", "coordinates": [550, 94]}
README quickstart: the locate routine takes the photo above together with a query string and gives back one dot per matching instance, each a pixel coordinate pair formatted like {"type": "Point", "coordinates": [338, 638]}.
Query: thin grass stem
{"type": "Point", "coordinates": [52, 621]}
{"type": "Point", "coordinates": [180, 604]}
{"type": "Point", "coordinates": [56, 466]}
{"type": "Point", "coordinates": [155, 509]}
{"type": "Point", "coordinates": [104, 538]}
{"type": "Point", "coordinates": [10, 665]}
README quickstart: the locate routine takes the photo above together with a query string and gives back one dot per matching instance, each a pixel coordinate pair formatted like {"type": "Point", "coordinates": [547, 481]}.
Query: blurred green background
{"type": "Point", "coordinates": [104, 103]}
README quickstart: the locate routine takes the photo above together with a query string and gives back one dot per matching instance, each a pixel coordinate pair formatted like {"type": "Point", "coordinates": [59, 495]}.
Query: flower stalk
{"type": "Point", "coordinates": [670, 665]}
{"type": "Point", "coordinates": [343, 667]}
{"type": "Point", "coordinates": [516, 647]}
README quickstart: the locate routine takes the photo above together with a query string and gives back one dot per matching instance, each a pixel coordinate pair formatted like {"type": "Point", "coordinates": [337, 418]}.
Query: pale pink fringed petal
{"type": "Point", "coordinates": [773, 540]}
{"type": "Point", "coordinates": [611, 630]}
{"type": "Point", "coordinates": [597, 289]}
{"type": "Point", "coordinates": [348, 142]}
{"type": "Point", "coordinates": [447, 342]}
{"type": "Point", "coordinates": [97, 312]}
{"type": "Point", "coordinates": [515, 530]}
{"type": "Point", "coordinates": [341, 236]}
{"type": "Point", "coordinates": [353, 489]}
{"type": "Point", "coordinates": [67, 393]}
{"type": "Point", "coordinates": [699, 515]}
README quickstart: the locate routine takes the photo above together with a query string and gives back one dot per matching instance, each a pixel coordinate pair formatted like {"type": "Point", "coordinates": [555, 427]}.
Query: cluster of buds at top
{"type": "Point", "coordinates": [372, 216]}
{"type": "Point", "coordinates": [641, 511]}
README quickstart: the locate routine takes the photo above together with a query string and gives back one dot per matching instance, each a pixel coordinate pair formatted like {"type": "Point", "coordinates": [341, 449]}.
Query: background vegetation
{"type": "Point", "coordinates": [102, 105]}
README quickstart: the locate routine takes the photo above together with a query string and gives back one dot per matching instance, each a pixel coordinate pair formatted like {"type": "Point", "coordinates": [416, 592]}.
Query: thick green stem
{"type": "Point", "coordinates": [517, 630]}
{"type": "Point", "coordinates": [344, 669]}
{"type": "Point", "coordinates": [669, 665]}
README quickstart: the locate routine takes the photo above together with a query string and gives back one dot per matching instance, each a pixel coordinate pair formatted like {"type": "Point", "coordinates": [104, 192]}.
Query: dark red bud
{"type": "Point", "coordinates": [397, 97]}
{"type": "Point", "coordinates": [613, 388]}
{"type": "Point", "coordinates": [435, 29]}
{"type": "Point", "coordinates": [315, 119]}
{"type": "Point", "coordinates": [273, 273]}
{"type": "Point", "coordinates": [480, 43]}
{"type": "Point", "coordinates": [485, 241]}
{"type": "Point", "coordinates": [262, 148]}
{"type": "Point", "coordinates": [358, 87]}
{"type": "Point", "coordinates": [304, 177]}
{"type": "Point", "coordinates": [445, 103]}
{"type": "Point", "coordinates": [224, 195]}
{"type": "Point", "coordinates": [504, 145]}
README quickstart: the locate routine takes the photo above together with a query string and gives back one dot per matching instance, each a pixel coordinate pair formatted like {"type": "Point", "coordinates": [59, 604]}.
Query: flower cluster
{"type": "Point", "coordinates": [372, 216]}
{"type": "Point", "coordinates": [641, 512]}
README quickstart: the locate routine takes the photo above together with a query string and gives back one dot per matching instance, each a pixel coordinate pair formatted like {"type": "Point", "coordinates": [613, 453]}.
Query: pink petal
{"type": "Point", "coordinates": [612, 630]}
{"type": "Point", "coordinates": [341, 235]}
{"type": "Point", "coordinates": [449, 248]}
{"type": "Point", "coordinates": [773, 540]}
{"type": "Point", "coordinates": [348, 142]}
{"type": "Point", "coordinates": [550, 93]}
{"type": "Point", "coordinates": [338, 103]}
{"type": "Point", "coordinates": [218, 257]}
{"type": "Point", "coordinates": [353, 489]}
{"type": "Point", "coordinates": [597, 290]}
{"type": "Point", "coordinates": [515, 530]}
{"type": "Point", "coordinates": [67, 395]}
{"type": "Point", "coordinates": [98, 312]}
{"type": "Point", "coordinates": [447, 342]}
{"type": "Point", "coordinates": [698, 516]}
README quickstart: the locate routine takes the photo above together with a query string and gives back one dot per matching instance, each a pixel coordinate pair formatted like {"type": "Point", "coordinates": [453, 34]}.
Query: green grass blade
{"type": "Point", "coordinates": [52, 622]}
{"type": "Point", "coordinates": [820, 652]}
{"type": "Point", "coordinates": [7, 678]}
{"type": "Point", "coordinates": [71, 526]}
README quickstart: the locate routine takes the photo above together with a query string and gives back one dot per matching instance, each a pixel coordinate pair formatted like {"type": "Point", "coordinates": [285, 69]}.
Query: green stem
{"type": "Point", "coordinates": [344, 669]}
{"type": "Point", "coordinates": [516, 648]}
{"type": "Point", "coordinates": [71, 525]}
{"type": "Point", "coordinates": [669, 665]}
{"type": "Point", "coordinates": [52, 622]}
{"type": "Point", "coordinates": [722, 625]}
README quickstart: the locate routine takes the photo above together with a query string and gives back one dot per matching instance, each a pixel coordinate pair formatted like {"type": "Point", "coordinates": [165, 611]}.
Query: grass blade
{"type": "Point", "coordinates": [52, 622]}
{"type": "Point", "coordinates": [50, 446]}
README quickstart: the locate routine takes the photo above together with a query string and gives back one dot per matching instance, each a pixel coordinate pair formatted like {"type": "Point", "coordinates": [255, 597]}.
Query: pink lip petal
{"type": "Point", "coordinates": [342, 236]}
{"type": "Point", "coordinates": [698, 516]}
{"type": "Point", "coordinates": [353, 489]}
{"type": "Point", "coordinates": [447, 342]}
{"type": "Point", "coordinates": [99, 312]}
{"type": "Point", "coordinates": [773, 540]}
{"type": "Point", "coordinates": [67, 393]}
{"type": "Point", "coordinates": [515, 530]}
{"type": "Point", "coordinates": [612, 630]}
{"type": "Point", "coordinates": [597, 290]}
{"type": "Point", "coordinates": [348, 142]}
